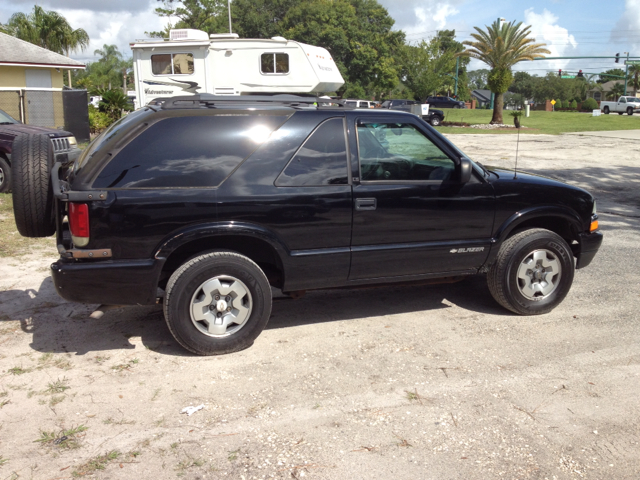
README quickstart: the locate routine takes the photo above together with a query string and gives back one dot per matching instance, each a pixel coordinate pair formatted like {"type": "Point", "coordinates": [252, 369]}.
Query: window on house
{"type": "Point", "coordinates": [172, 64]}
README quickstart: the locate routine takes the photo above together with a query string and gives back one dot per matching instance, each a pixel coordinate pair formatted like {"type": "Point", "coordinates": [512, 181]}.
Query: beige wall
{"type": "Point", "coordinates": [15, 77]}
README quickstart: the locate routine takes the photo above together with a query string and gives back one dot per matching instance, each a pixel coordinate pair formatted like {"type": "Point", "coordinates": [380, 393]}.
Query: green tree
{"type": "Point", "coordinates": [478, 79]}
{"type": "Point", "coordinates": [448, 44]}
{"type": "Point", "coordinates": [107, 72]}
{"type": "Point", "coordinates": [634, 77]}
{"type": "Point", "coordinates": [616, 91]}
{"type": "Point", "coordinates": [357, 34]}
{"type": "Point", "coordinates": [604, 76]}
{"type": "Point", "coordinates": [207, 15]}
{"type": "Point", "coordinates": [113, 103]}
{"type": "Point", "coordinates": [47, 29]}
{"type": "Point", "coordinates": [501, 47]}
{"type": "Point", "coordinates": [260, 18]}
{"type": "Point", "coordinates": [425, 67]}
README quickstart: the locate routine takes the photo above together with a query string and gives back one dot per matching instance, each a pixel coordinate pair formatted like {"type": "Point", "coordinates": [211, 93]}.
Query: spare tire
{"type": "Point", "coordinates": [31, 162]}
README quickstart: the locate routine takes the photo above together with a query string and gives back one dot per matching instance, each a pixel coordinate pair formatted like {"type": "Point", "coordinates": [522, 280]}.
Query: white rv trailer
{"type": "Point", "coordinates": [223, 64]}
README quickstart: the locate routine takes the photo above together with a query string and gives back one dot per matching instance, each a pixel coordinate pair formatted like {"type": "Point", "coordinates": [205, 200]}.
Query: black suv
{"type": "Point", "coordinates": [204, 203]}
{"type": "Point", "coordinates": [435, 117]}
{"type": "Point", "coordinates": [445, 102]}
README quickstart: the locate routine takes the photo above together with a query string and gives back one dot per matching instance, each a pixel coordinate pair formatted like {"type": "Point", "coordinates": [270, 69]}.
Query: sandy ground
{"type": "Point", "coordinates": [425, 382]}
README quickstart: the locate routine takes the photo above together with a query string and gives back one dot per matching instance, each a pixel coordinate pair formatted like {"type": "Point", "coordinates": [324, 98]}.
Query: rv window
{"type": "Point", "coordinates": [172, 64]}
{"type": "Point", "coordinates": [274, 63]}
{"type": "Point", "coordinates": [322, 159]}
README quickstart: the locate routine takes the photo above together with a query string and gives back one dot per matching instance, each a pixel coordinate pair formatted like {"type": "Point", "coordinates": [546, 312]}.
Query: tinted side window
{"type": "Point", "coordinates": [274, 63]}
{"type": "Point", "coordinates": [172, 64]}
{"type": "Point", "coordinates": [187, 151]}
{"type": "Point", "coordinates": [322, 159]}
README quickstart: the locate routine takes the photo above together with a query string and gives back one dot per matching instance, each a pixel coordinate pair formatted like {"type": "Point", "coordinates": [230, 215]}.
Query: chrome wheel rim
{"type": "Point", "coordinates": [221, 306]}
{"type": "Point", "coordinates": [1, 176]}
{"type": "Point", "coordinates": [539, 274]}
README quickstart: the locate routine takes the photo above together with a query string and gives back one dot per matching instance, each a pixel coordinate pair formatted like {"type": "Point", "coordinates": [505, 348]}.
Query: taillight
{"type": "Point", "coordinates": [79, 223]}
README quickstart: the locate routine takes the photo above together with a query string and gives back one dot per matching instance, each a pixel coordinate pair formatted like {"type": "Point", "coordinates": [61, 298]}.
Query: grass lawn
{"type": "Point", "coordinates": [551, 123]}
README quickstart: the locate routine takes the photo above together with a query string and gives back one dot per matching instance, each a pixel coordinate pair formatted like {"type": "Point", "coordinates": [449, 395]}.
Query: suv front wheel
{"type": "Point", "coordinates": [533, 272]}
{"type": "Point", "coordinates": [217, 303]}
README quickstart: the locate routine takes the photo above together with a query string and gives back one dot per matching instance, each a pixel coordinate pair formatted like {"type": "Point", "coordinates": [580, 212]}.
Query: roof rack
{"type": "Point", "coordinates": [208, 99]}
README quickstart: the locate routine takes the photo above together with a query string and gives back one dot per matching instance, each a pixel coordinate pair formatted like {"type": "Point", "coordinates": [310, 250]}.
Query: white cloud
{"type": "Point", "coordinates": [545, 29]}
{"type": "Point", "coordinates": [421, 18]}
{"type": "Point", "coordinates": [627, 27]}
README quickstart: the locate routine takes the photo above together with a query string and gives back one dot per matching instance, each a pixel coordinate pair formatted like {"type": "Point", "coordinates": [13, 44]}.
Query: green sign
{"type": "Point", "coordinates": [632, 62]}
{"type": "Point", "coordinates": [568, 76]}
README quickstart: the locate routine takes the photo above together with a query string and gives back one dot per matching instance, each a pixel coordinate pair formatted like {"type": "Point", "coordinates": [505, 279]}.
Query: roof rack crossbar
{"type": "Point", "coordinates": [196, 101]}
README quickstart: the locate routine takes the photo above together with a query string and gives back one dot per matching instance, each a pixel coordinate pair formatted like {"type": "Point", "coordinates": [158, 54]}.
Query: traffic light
{"type": "Point", "coordinates": [617, 57]}
{"type": "Point", "coordinates": [560, 72]}
{"type": "Point", "coordinates": [580, 75]}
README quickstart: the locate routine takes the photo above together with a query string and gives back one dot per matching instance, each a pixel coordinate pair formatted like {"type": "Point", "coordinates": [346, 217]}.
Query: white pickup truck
{"type": "Point", "coordinates": [625, 104]}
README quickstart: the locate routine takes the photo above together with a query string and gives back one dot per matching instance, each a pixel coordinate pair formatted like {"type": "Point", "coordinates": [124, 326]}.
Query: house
{"type": "Point", "coordinates": [603, 91]}
{"type": "Point", "coordinates": [30, 77]}
{"type": "Point", "coordinates": [483, 97]}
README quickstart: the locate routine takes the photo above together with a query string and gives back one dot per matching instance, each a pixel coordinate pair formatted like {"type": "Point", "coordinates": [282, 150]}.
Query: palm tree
{"type": "Point", "coordinates": [617, 90]}
{"type": "Point", "coordinates": [47, 29]}
{"type": "Point", "coordinates": [634, 77]}
{"type": "Point", "coordinates": [501, 46]}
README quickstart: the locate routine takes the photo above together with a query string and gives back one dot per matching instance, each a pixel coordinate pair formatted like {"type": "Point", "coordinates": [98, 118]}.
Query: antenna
{"type": "Point", "coordinates": [515, 169]}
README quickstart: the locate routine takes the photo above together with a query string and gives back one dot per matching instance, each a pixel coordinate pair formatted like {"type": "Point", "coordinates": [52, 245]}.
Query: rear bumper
{"type": "Point", "coordinates": [110, 282]}
{"type": "Point", "coordinates": [589, 245]}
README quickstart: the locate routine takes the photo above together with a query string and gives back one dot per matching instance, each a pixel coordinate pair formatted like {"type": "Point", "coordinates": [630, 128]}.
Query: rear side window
{"type": "Point", "coordinates": [322, 159]}
{"type": "Point", "coordinates": [187, 151]}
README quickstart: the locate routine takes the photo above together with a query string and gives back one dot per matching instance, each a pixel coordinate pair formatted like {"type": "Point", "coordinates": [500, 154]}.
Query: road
{"type": "Point", "coordinates": [422, 382]}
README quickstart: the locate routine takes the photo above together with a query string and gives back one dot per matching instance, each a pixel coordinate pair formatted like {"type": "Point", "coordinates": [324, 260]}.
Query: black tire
{"type": "Point", "coordinates": [435, 121]}
{"type": "Point", "coordinates": [191, 288]}
{"type": "Point", "coordinates": [605, 110]}
{"type": "Point", "coordinates": [620, 113]}
{"type": "Point", "coordinates": [5, 175]}
{"type": "Point", "coordinates": [515, 293]}
{"type": "Point", "coordinates": [31, 161]}
{"type": "Point", "coordinates": [629, 111]}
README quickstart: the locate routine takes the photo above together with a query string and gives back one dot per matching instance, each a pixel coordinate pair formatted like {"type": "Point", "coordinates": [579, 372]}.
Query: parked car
{"type": "Point", "coordinates": [625, 104]}
{"type": "Point", "coordinates": [359, 103]}
{"type": "Point", "coordinates": [10, 128]}
{"type": "Point", "coordinates": [435, 117]}
{"type": "Point", "coordinates": [205, 203]}
{"type": "Point", "coordinates": [445, 102]}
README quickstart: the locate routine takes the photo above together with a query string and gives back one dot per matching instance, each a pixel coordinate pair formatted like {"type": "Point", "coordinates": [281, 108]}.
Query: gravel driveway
{"type": "Point", "coordinates": [421, 382]}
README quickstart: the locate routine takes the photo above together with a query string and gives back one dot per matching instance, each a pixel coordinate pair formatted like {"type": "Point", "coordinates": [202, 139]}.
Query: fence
{"type": "Point", "coordinates": [61, 109]}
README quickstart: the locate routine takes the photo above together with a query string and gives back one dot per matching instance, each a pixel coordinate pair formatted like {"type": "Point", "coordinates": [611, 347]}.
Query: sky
{"type": "Point", "coordinates": [568, 27]}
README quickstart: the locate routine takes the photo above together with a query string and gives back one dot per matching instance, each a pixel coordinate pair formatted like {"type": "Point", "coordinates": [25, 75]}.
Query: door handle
{"type": "Point", "coordinates": [366, 203]}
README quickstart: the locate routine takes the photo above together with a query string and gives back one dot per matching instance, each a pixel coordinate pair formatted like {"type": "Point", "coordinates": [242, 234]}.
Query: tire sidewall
{"type": "Point", "coordinates": [559, 248]}
{"type": "Point", "coordinates": [435, 122]}
{"type": "Point", "coordinates": [178, 305]}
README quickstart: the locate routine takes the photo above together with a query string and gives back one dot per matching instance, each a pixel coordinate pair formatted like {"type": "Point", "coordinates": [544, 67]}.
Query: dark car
{"type": "Point", "coordinates": [205, 203]}
{"type": "Point", "coordinates": [435, 117]}
{"type": "Point", "coordinates": [445, 102]}
{"type": "Point", "coordinates": [10, 128]}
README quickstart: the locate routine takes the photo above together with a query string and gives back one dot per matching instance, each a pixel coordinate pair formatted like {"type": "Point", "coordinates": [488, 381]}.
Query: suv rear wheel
{"type": "Point", "coordinates": [533, 272]}
{"type": "Point", "coordinates": [217, 303]}
{"type": "Point", "coordinates": [5, 175]}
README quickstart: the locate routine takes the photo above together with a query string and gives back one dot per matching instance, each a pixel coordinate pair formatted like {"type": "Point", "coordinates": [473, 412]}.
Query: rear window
{"type": "Point", "coordinates": [187, 151]}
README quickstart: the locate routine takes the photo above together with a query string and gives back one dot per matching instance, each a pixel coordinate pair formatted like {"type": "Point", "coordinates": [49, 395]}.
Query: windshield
{"type": "Point", "coordinates": [6, 118]}
{"type": "Point", "coordinates": [633, 99]}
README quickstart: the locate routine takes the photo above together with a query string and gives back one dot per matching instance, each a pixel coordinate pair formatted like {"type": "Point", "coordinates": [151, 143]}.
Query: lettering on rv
{"type": "Point", "coordinates": [327, 69]}
{"type": "Point", "coordinates": [148, 91]}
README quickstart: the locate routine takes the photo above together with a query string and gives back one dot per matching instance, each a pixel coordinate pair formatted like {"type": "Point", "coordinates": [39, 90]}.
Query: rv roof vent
{"type": "Point", "coordinates": [223, 36]}
{"type": "Point", "coordinates": [187, 34]}
{"type": "Point", "coordinates": [279, 39]}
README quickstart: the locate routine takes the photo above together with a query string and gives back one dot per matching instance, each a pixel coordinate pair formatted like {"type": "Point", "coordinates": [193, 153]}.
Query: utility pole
{"type": "Point", "coordinates": [626, 72]}
{"type": "Point", "coordinates": [455, 90]}
{"type": "Point", "coordinates": [229, 8]}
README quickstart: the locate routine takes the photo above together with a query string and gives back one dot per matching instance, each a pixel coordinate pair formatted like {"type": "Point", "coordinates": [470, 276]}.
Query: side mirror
{"type": "Point", "coordinates": [465, 170]}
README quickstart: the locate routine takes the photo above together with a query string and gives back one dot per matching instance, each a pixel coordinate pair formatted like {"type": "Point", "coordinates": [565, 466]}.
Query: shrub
{"type": "Point", "coordinates": [589, 104]}
{"type": "Point", "coordinates": [573, 105]}
{"type": "Point", "coordinates": [98, 120]}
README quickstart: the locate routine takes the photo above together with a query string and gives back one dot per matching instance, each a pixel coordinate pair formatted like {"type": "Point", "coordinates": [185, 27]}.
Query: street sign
{"type": "Point", "coordinates": [632, 62]}
{"type": "Point", "coordinates": [568, 76]}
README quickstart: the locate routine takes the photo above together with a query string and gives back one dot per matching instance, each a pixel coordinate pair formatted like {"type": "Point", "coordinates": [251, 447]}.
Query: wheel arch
{"type": "Point", "coordinates": [256, 243]}
{"type": "Point", "coordinates": [562, 221]}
